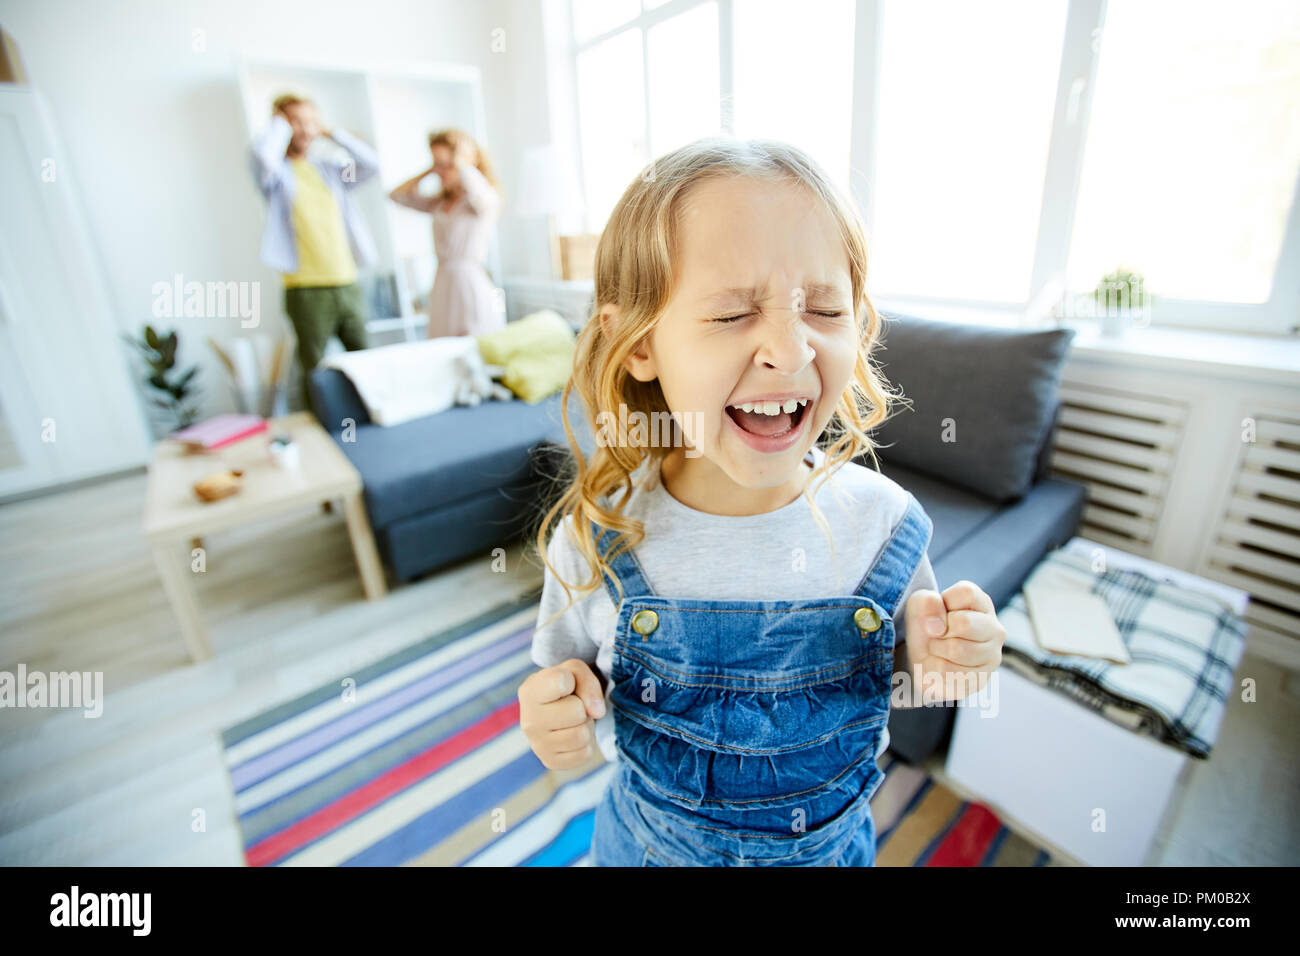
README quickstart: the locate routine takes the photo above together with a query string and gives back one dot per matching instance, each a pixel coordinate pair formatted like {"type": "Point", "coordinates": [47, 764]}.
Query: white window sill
{"type": "Point", "coordinates": [1267, 358]}
{"type": "Point", "coordinates": [1274, 358]}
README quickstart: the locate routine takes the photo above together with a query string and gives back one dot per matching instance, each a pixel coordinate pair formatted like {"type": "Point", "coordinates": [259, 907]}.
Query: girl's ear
{"type": "Point", "coordinates": [640, 364]}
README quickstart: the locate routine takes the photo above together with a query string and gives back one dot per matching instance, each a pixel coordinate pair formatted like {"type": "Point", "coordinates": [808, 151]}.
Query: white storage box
{"type": "Point", "coordinates": [1094, 789]}
{"type": "Point", "coordinates": [1049, 764]}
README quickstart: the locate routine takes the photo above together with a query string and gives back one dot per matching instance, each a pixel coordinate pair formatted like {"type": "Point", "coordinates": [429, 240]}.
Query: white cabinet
{"type": "Point", "coordinates": [68, 409]}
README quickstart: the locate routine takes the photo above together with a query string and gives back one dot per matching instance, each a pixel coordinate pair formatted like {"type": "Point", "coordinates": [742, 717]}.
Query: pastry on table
{"type": "Point", "coordinates": [219, 484]}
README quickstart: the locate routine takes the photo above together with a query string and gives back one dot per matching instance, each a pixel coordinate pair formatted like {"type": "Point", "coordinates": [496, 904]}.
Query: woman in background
{"type": "Point", "coordinates": [463, 300]}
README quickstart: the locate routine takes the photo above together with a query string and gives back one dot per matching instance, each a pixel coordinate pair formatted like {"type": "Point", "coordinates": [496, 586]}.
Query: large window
{"type": "Point", "coordinates": [1193, 148]}
{"type": "Point", "coordinates": [611, 111]}
{"type": "Point", "coordinates": [683, 74]}
{"type": "Point", "coordinates": [650, 78]}
{"type": "Point", "coordinates": [964, 120]}
{"type": "Point", "coordinates": [998, 150]}
{"type": "Point", "coordinates": [794, 77]}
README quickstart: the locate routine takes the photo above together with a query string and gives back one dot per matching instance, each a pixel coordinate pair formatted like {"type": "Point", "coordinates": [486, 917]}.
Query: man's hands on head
{"type": "Point", "coordinates": [558, 707]}
{"type": "Point", "coordinates": [304, 121]}
{"type": "Point", "coordinates": [954, 638]}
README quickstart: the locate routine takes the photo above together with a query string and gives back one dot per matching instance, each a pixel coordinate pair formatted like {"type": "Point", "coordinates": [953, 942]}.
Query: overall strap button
{"type": "Point", "coordinates": [866, 619]}
{"type": "Point", "coordinates": [643, 622]}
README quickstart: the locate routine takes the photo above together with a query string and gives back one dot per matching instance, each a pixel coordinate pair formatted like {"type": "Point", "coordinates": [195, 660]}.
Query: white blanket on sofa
{"type": "Point", "coordinates": [410, 379]}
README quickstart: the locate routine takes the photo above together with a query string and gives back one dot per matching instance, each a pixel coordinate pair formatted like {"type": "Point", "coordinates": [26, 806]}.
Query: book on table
{"type": "Point", "coordinates": [1069, 619]}
{"type": "Point", "coordinates": [217, 432]}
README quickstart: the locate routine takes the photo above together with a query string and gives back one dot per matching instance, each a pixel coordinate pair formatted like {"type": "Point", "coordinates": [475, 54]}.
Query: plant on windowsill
{"type": "Point", "coordinates": [1121, 299]}
{"type": "Point", "coordinates": [172, 396]}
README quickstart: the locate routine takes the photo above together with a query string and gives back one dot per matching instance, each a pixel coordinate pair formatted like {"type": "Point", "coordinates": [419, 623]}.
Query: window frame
{"type": "Point", "coordinates": [1076, 79]}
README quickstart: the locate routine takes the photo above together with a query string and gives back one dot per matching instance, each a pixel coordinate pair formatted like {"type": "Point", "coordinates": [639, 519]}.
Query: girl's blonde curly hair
{"type": "Point", "coordinates": [633, 271]}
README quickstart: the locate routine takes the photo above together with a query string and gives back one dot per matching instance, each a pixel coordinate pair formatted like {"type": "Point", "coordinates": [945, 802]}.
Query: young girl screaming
{"type": "Point", "coordinates": [727, 600]}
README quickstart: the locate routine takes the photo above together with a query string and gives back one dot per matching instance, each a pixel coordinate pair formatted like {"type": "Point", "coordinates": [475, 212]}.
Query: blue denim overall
{"type": "Point", "coordinates": [747, 730]}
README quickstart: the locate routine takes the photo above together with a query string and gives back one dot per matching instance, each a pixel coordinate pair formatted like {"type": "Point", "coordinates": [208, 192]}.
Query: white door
{"type": "Point", "coordinates": [68, 409]}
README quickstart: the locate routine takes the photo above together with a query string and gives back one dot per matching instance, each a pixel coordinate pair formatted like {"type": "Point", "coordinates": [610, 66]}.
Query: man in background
{"type": "Point", "coordinates": [314, 235]}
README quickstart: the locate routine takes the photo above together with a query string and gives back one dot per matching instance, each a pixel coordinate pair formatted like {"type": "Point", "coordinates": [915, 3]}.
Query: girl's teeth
{"type": "Point", "coordinates": [773, 408]}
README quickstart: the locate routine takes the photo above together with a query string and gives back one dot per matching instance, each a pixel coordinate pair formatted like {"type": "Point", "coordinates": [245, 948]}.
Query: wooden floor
{"type": "Point", "coordinates": [145, 784]}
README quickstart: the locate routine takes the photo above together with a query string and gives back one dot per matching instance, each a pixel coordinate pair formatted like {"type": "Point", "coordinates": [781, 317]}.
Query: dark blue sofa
{"type": "Point", "coordinates": [456, 484]}
{"type": "Point", "coordinates": [448, 486]}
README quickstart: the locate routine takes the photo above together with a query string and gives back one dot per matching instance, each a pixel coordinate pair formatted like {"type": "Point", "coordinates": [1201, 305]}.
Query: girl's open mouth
{"type": "Point", "coordinates": [767, 426]}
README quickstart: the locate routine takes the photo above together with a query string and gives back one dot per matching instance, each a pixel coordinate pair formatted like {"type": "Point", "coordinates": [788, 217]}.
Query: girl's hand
{"type": "Point", "coordinates": [557, 707]}
{"type": "Point", "coordinates": [954, 641]}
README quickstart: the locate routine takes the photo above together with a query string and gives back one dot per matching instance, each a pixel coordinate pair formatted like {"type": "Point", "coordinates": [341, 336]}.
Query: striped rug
{"type": "Point", "coordinates": [418, 760]}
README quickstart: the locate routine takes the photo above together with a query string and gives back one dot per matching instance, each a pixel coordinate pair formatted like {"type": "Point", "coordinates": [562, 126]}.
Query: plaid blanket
{"type": "Point", "coordinates": [1185, 645]}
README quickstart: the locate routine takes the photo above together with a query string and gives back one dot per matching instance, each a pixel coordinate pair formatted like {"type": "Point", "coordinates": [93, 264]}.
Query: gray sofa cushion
{"type": "Point", "coordinates": [994, 545]}
{"type": "Point", "coordinates": [335, 400]}
{"type": "Point", "coordinates": [435, 461]}
{"type": "Point", "coordinates": [999, 386]}
{"type": "Point", "coordinates": [957, 513]}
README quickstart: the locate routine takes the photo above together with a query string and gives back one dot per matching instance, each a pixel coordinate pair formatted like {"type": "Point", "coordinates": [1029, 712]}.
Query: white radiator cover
{"type": "Point", "coordinates": [1123, 445]}
{"type": "Point", "coordinates": [1256, 545]}
{"type": "Point", "coordinates": [1163, 446]}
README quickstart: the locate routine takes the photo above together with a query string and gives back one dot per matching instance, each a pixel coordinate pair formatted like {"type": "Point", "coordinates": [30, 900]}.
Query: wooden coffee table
{"type": "Point", "coordinates": [174, 516]}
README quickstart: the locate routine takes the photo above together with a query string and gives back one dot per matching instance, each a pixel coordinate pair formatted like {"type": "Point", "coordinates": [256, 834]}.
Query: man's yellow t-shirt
{"type": "Point", "coordinates": [324, 257]}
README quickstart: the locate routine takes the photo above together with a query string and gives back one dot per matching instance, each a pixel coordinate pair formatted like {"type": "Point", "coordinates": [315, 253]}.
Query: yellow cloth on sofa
{"type": "Point", "coordinates": [536, 352]}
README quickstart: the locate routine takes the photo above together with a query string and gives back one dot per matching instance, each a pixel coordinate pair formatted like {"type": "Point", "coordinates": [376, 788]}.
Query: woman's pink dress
{"type": "Point", "coordinates": [463, 300]}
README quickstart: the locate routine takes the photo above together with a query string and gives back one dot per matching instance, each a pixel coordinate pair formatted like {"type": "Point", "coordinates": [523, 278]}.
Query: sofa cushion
{"type": "Point", "coordinates": [993, 545]}
{"type": "Point", "coordinates": [335, 399]}
{"type": "Point", "coordinates": [998, 386]}
{"type": "Point", "coordinates": [455, 454]}
{"type": "Point", "coordinates": [956, 512]}
{"type": "Point", "coordinates": [470, 527]}
{"type": "Point", "coordinates": [536, 353]}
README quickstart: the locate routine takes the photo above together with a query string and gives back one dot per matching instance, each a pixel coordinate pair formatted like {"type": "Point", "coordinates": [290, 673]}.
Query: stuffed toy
{"type": "Point", "coordinates": [475, 380]}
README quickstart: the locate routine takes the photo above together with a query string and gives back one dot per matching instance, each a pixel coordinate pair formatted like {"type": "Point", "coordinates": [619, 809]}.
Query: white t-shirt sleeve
{"type": "Point", "coordinates": [922, 580]}
{"type": "Point", "coordinates": [566, 637]}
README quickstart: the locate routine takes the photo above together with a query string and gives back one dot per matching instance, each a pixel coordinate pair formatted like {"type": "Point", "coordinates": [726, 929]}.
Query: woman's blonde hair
{"type": "Point", "coordinates": [285, 100]}
{"type": "Point", "coordinates": [452, 138]}
{"type": "Point", "coordinates": [633, 271]}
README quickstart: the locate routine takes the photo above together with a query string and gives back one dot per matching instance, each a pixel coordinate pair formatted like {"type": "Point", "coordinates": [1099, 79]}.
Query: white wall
{"type": "Point", "coordinates": [154, 132]}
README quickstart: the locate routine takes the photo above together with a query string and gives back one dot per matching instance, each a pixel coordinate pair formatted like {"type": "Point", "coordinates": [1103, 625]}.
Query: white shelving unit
{"type": "Point", "coordinates": [393, 107]}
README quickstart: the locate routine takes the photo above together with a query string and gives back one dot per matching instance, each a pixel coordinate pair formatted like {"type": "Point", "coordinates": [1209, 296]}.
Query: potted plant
{"type": "Point", "coordinates": [1120, 298]}
{"type": "Point", "coordinates": [283, 451]}
{"type": "Point", "coordinates": [172, 395]}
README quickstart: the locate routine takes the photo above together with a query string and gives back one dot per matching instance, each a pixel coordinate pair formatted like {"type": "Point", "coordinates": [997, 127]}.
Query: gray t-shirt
{"type": "Point", "coordinates": [782, 555]}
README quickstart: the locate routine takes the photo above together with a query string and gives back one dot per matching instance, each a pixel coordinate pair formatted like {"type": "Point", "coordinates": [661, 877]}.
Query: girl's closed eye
{"type": "Point", "coordinates": [733, 318]}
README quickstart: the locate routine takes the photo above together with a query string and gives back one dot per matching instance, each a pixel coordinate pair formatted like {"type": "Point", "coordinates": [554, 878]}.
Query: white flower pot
{"type": "Point", "coordinates": [1114, 322]}
{"type": "Point", "coordinates": [283, 456]}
